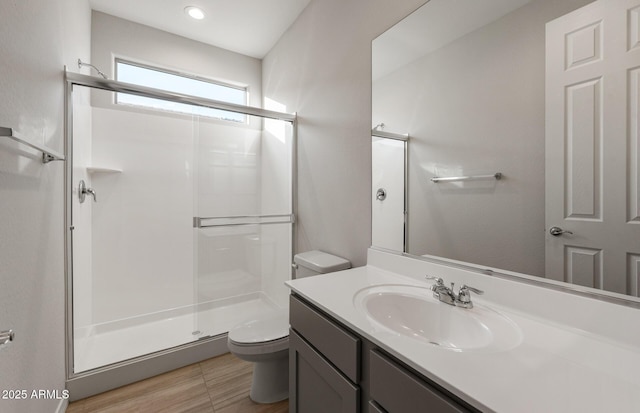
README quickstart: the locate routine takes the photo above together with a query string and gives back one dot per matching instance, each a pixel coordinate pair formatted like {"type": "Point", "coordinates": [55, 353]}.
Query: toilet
{"type": "Point", "coordinates": [264, 340]}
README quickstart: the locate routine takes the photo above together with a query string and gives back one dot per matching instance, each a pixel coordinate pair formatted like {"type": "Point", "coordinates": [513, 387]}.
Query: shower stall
{"type": "Point", "coordinates": [390, 197]}
{"type": "Point", "coordinates": [178, 226]}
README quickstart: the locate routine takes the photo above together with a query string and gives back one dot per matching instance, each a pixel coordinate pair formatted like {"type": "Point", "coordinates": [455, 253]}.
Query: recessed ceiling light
{"type": "Point", "coordinates": [194, 12]}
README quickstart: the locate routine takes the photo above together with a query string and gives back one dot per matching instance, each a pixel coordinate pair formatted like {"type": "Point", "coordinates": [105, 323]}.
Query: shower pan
{"type": "Point", "coordinates": [178, 226]}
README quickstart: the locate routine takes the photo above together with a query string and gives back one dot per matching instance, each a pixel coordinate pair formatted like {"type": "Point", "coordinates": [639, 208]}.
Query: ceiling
{"type": "Point", "coordinates": [249, 27]}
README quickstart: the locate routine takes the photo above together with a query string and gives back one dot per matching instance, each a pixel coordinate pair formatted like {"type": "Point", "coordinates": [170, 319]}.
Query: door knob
{"type": "Point", "coordinates": [557, 231]}
{"type": "Point", "coordinates": [381, 194]}
{"type": "Point", "coordinates": [6, 337]}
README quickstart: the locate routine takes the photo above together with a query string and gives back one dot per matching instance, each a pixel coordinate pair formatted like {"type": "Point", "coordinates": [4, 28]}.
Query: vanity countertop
{"type": "Point", "coordinates": [557, 367]}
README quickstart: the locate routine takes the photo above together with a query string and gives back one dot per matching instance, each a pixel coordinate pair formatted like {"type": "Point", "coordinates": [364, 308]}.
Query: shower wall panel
{"type": "Point", "coordinates": [275, 262]}
{"type": "Point", "coordinates": [276, 198]}
{"type": "Point", "coordinates": [229, 159]}
{"type": "Point", "coordinates": [387, 160]}
{"type": "Point", "coordinates": [228, 185]}
{"type": "Point", "coordinates": [82, 213]}
{"type": "Point", "coordinates": [276, 169]}
{"type": "Point", "coordinates": [142, 235]}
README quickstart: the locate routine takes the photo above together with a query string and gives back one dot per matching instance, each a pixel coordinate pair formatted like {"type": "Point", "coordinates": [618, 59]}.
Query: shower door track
{"type": "Point", "coordinates": [129, 88]}
{"type": "Point", "coordinates": [76, 79]}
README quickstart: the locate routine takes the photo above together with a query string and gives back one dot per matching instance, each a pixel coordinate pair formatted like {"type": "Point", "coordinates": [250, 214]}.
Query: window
{"type": "Point", "coordinates": [173, 82]}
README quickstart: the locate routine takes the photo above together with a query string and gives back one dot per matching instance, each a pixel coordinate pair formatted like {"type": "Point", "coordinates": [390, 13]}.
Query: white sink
{"type": "Point", "coordinates": [412, 311]}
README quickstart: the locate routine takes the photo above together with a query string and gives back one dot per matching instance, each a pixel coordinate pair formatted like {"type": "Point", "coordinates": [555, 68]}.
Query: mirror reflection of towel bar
{"type": "Point", "coordinates": [496, 176]}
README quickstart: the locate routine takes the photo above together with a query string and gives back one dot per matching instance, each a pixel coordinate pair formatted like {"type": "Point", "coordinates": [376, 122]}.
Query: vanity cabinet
{"type": "Point", "coordinates": [332, 369]}
{"type": "Point", "coordinates": [324, 363]}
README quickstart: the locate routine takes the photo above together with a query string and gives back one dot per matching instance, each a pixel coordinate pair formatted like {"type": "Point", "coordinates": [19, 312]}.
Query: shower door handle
{"type": "Point", "coordinates": [83, 191]}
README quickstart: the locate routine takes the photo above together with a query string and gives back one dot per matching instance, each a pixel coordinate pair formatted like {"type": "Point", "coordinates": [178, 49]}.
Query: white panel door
{"type": "Point", "coordinates": [592, 133]}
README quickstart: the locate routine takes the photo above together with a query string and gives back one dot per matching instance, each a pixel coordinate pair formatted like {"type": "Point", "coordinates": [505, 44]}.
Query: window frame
{"type": "Point", "coordinates": [126, 61]}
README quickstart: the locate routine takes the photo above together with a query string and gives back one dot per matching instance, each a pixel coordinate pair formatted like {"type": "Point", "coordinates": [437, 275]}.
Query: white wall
{"type": "Point", "coordinates": [37, 38]}
{"type": "Point", "coordinates": [321, 68]}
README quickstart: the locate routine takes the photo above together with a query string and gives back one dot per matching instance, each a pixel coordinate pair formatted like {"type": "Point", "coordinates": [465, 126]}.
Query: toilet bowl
{"type": "Point", "coordinates": [264, 340]}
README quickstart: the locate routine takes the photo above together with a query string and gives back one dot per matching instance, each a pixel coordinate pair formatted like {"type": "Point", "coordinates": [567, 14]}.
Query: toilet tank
{"type": "Point", "coordinates": [317, 262]}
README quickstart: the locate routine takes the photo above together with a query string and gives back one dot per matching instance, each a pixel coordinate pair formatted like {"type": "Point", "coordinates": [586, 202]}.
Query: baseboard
{"type": "Point", "coordinates": [62, 406]}
{"type": "Point", "coordinates": [113, 377]}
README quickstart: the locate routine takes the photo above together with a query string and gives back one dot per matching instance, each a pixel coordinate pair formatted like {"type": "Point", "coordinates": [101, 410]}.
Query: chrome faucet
{"type": "Point", "coordinates": [448, 296]}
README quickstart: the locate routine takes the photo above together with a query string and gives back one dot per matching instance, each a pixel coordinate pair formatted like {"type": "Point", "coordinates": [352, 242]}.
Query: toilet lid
{"type": "Point", "coordinates": [265, 327]}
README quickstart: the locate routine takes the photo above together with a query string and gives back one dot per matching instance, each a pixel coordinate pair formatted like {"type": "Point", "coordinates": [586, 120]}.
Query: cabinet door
{"type": "Point", "coordinates": [315, 385]}
{"type": "Point", "coordinates": [375, 407]}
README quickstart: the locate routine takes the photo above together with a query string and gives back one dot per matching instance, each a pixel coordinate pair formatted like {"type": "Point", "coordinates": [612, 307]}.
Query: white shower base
{"type": "Point", "coordinates": [103, 344]}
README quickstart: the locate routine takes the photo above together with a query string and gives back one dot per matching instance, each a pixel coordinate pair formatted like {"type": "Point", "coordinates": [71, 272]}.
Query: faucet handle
{"type": "Point", "coordinates": [465, 288]}
{"type": "Point", "coordinates": [439, 282]}
{"type": "Point", "coordinates": [464, 296]}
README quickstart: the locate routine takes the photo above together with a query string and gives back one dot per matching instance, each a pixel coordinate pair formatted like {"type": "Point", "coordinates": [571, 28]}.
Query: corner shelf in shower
{"type": "Point", "coordinates": [102, 170]}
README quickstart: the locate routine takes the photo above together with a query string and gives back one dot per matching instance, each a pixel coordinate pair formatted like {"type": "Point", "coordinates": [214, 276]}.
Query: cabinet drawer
{"type": "Point", "coordinates": [336, 344]}
{"type": "Point", "coordinates": [397, 390]}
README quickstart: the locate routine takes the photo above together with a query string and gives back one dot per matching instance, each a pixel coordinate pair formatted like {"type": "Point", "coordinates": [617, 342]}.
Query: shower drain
{"type": "Point", "coordinates": [196, 333]}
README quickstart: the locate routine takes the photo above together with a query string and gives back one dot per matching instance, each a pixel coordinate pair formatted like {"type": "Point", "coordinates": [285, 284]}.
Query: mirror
{"type": "Point", "coordinates": [389, 153]}
{"type": "Point", "coordinates": [522, 117]}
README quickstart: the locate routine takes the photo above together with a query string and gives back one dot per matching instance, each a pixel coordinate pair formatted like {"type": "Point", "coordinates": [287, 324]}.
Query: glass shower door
{"type": "Point", "coordinates": [389, 195]}
{"type": "Point", "coordinates": [242, 221]}
{"type": "Point", "coordinates": [179, 227]}
{"type": "Point", "coordinates": [132, 242]}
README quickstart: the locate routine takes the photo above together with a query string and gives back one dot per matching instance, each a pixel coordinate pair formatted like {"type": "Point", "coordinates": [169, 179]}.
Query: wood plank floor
{"type": "Point", "coordinates": [217, 385]}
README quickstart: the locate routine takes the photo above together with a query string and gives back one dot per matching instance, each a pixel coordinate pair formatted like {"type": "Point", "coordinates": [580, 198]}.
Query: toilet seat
{"type": "Point", "coordinates": [262, 348]}
{"type": "Point", "coordinates": [267, 333]}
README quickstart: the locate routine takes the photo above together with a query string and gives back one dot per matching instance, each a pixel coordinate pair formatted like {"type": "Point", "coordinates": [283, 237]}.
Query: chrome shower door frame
{"type": "Point", "coordinates": [404, 138]}
{"type": "Point", "coordinates": [194, 349]}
